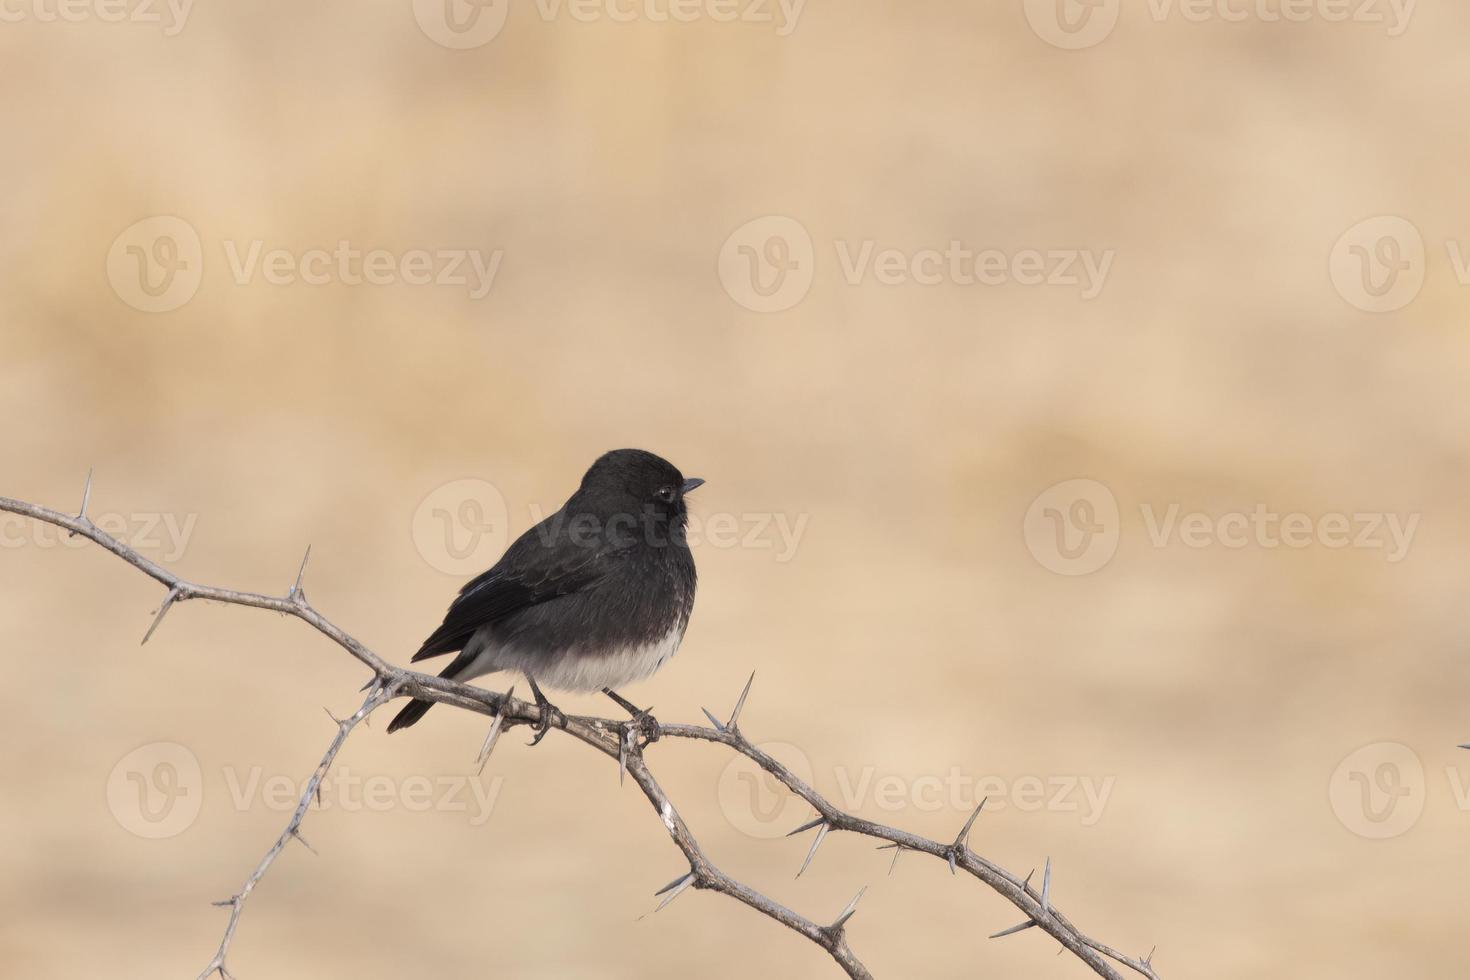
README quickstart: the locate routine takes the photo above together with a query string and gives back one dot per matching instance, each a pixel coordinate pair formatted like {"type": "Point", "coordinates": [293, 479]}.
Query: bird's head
{"type": "Point", "coordinates": [639, 483]}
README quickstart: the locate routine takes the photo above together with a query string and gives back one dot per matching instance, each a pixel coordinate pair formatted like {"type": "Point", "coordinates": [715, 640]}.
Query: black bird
{"type": "Point", "coordinates": [594, 597]}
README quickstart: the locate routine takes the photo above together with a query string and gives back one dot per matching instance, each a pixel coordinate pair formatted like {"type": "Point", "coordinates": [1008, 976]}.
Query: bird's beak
{"type": "Point", "coordinates": [693, 483]}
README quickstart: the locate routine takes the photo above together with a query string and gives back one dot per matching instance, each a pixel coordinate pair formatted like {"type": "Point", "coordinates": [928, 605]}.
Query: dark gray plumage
{"type": "Point", "coordinates": [594, 597]}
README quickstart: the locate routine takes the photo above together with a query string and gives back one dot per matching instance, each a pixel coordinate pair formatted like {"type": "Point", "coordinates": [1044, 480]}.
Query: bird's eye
{"type": "Point", "coordinates": [666, 494]}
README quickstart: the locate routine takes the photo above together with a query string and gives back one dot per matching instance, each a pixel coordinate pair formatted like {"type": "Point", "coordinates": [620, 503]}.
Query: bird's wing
{"type": "Point", "coordinates": [530, 572]}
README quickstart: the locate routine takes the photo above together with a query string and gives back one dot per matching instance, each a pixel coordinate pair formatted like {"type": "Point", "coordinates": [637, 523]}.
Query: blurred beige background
{"type": "Point", "coordinates": [1268, 726]}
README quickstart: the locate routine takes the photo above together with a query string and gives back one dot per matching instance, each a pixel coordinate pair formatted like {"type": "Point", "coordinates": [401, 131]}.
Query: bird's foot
{"type": "Point", "coordinates": [550, 715]}
{"type": "Point", "coordinates": [643, 720]}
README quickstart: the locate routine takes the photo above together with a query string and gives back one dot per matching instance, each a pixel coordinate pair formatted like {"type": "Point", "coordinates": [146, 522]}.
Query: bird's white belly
{"type": "Point", "coordinates": [574, 671]}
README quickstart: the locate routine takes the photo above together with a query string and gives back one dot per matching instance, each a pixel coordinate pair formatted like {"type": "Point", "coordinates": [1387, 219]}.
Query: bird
{"type": "Point", "coordinates": [595, 597]}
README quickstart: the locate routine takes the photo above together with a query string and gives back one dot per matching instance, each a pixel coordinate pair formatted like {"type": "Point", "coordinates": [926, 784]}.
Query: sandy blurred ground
{"type": "Point", "coordinates": [1267, 727]}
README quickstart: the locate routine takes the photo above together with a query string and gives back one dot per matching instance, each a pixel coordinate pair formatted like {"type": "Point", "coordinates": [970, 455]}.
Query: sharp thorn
{"type": "Point", "coordinates": [493, 736]}
{"type": "Point", "coordinates": [952, 860]}
{"type": "Point", "coordinates": [296, 833]}
{"type": "Point", "coordinates": [963, 839]}
{"type": "Point", "coordinates": [675, 889]}
{"type": "Point", "coordinates": [1149, 959]}
{"type": "Point", "coordinates": [674, 884]}
{"type": "Point", "coordinates": [488, 746]}
{"type": "Point", "coordinates": [168, 601]}
{"type": "Point", "coordinates": [1046, 887]}
{"type": "Point", "coordinates": [623, 739]}
{"type": "Point", "coordinates": [808, 826]}
{"type": "Point", "coordinates": [821, 836]}
{"type": "Point", "coordinates": [896, 852]}
{"type": "Point", "coordinates": [851, 909]}
{"type": "Point", "coordinates": [1013, 930]}
{"type": "Point", "coordinates": [735, 715]}
{"type": "Point", "coordinates": [301, 574]}
{"type": "Point", "coordinates": [719, 725]}
{"type": "Point", "coordinates": [86, 499]}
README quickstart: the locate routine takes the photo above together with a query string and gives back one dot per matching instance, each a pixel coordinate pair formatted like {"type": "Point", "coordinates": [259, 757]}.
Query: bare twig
{"type": "Point", "coordinates": [618, 741]}
{"type": "Point", "coordinates": [381, 695]}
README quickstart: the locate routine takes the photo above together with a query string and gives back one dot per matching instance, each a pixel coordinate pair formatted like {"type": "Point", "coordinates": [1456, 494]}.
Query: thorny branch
{"type": "Point", "coordinates": [618, 740]}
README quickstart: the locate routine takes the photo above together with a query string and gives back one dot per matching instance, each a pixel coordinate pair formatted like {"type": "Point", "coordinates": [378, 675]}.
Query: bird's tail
{"type": "Point", "coordinates": [411, 713]}
{"type": "Point", "coordinates": [415, 710]}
